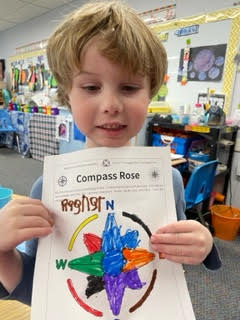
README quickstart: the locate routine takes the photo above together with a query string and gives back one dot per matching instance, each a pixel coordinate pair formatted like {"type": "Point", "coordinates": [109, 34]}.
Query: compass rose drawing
{"type": "Point", "coordinates": [112, 264]}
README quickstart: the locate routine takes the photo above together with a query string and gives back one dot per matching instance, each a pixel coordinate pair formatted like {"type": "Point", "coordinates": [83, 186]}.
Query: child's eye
{"type": "Point", "coordinates": [91, 88]}
{"type": "Point", "coordinates": [129, 88]}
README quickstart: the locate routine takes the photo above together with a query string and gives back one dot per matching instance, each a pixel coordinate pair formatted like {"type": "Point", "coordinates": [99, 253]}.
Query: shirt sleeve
{"type": "Point", "coordinates": [178, 190]}
{"type": "Point", "coordinates": [212, 261]}
{"type": "Point", "coordinates": [23, 291]}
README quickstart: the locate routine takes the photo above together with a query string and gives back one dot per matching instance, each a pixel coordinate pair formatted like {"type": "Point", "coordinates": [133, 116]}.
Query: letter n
{"type": "Point", "coordinates": [110, 204]}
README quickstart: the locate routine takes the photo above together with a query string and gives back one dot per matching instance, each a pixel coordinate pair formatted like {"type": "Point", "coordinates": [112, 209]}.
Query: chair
{"type": "Point", "coordinates": [6, 125]}
{"type": "Point", "coordinates": [199, 188]}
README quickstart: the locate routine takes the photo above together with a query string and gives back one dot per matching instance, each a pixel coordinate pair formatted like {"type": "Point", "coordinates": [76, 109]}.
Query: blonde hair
{"type": "Point", "coordinates": [125, 39]}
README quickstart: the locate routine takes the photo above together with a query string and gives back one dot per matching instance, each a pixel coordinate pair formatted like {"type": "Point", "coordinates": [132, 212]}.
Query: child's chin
{"type": "Point", "coordinates": [108, 143]}
{"type": "Point", "coordinates": [117, 144]}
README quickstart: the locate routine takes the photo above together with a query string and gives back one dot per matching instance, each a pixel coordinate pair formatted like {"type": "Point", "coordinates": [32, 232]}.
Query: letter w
{"type": "Point", "coordinates": [61, 263]}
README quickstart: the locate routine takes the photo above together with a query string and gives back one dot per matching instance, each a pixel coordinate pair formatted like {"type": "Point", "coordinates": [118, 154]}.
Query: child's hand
{"type": "Point", "coordinates": [23, 219]}
{"type": "Point", "coordinates": [186, 241]}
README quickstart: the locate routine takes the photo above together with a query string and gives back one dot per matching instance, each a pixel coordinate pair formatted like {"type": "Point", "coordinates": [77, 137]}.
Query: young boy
{"type": "Point", "coordinates": [108, 65]}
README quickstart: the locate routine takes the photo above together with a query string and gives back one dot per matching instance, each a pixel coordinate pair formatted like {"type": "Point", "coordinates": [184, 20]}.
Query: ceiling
{"type": "Point", "coordinates": [13, 12]}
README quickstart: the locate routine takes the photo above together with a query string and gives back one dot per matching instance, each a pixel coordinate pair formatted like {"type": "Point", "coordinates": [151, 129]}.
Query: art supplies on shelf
{"type": "Point", "coordinates": [49, 110]}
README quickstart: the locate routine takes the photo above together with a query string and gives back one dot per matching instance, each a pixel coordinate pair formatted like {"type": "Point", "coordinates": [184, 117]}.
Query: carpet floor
{"type": "Point", "coordinates": [215, 295]}
{"type": "Point", "coordinates": [17, 172]}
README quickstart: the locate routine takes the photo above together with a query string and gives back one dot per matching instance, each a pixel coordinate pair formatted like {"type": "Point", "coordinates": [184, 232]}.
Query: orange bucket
{"type": "Point", "coordinates": [225, 221]}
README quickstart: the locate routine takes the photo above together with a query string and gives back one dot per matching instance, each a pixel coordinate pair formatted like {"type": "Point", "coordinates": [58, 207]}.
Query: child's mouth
{"type": "Point", "coordinates": [112, 127]}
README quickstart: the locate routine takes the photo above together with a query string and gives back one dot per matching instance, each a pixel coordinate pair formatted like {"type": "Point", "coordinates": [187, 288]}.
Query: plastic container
{"type": "Point", "coordinates": [49, 110]}
{"type": "Point", "coordinates": [55, 111]}
{"type": "Point", "coordinates": [11, 106]}
{"type": "Point", "coordinates": [219, 197]}
{"type": "Point", "coordinates": [34, 109]}
{"type": "Point", "coordinates": [178, 145]}
{"type": "Point", "coordinates": [5, 196]}
{"type": "Point", "coordinates": [185, 119]}
{"type": "Point", "coordinates": [27, 109]}
{"type": "Point", "coordinates": [200, 111]}
{"type": "Point", "coordinates": [225, 221]}
{"type": "Point", "coordinates": [159, 106]}
{"type": "Point", "coordinates": [199, 156]}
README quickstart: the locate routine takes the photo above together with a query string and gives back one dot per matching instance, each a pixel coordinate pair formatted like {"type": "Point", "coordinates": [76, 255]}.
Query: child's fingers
{"type": "Point", "coordinates": [172, 238]}
{"type": "Point", "coordinates": [182, 259]}
{"type": "Point", "coordinates": [182, 226]}
{"type": "Point", "coordinates": [38, 210]}
{"type": "Point", "coordinates": [23, 220]}
{"type": "Point", "coordinates": [31, 208]}
{"type": "Point", "coordinates": [32, 222]}
{"type": "Point", "coordinates": [22, 235]}
{"type": "Point", "coordinates": [12, 237]}
{"type": "Point", "coordinates": [24, 200]}
{"type": "Point", "coordinates": [175, 250]}
{"type": "Point", "coordinates": [30, 233]}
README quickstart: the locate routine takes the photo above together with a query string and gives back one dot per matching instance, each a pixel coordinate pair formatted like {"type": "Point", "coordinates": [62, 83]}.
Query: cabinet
{"type": "Point", "coordinates": [221, 140]}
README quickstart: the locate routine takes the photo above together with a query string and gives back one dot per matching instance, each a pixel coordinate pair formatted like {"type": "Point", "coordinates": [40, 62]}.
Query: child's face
{"type": "Point", "coordinates": [108, 104]}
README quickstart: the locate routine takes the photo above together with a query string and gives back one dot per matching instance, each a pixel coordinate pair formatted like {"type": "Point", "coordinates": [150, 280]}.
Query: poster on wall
{"type": "Point", "coordinates": [62, 128]}
{"type": "Point", "coordinates": [206, 63]}
{"type": "Point", "coordinates": [161, 14]}
{"type": "Point", "coordinates": [98, 263]}
{"type": "Point", "coordinates": [29, 72]}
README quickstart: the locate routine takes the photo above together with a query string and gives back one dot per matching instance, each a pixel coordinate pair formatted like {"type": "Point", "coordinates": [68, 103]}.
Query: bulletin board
{"type": "Point", "coordinates": [217, 28]}
{"type": "Point", "coordinates": [30, 72]}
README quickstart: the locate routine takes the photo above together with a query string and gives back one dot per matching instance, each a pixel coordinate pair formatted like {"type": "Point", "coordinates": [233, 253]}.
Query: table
{"type": "Point", "coordinates": [178, 161]}
{"type": "Point", "coordinates": [13, 310]}
{"type": "Point", "coordinates": [18, 196]}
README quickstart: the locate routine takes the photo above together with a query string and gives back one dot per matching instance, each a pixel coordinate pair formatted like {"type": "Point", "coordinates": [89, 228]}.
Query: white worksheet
{"type": "Point", "coordinates": [98, 262]}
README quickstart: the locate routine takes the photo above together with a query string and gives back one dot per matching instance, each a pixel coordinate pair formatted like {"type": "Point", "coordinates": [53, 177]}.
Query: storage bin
{"type": "Point", "coordinates": [225, 221]}
{"type": "Point", "coordinates": [5, 196]}
{"type": "Point", "coordinates": [178, 145]}
{"type": "Point", "coordinates": [199, 156]}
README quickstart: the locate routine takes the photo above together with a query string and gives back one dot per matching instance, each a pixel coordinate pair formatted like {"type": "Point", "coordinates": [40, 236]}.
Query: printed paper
{"type": "Point", "coordinates": [98, 262]}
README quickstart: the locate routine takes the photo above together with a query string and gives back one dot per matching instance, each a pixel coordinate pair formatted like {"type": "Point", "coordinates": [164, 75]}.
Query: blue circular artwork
{"type": "Point", "coordinates": [202, 76]}
{"type": "Point", "coordinates": [204, 60]}
{"type": "Point", "coordinates": [213, 72]}
{"type": "Point", "coordinates": [219, 61]}
{"type": "Point", "coordinates": [192, 75]}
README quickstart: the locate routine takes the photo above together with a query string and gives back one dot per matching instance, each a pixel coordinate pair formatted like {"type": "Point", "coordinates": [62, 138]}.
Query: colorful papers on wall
{"type": "Point", "coordinates": [161, 14]}
{"type": "Point", "coordinates": [62, 128]}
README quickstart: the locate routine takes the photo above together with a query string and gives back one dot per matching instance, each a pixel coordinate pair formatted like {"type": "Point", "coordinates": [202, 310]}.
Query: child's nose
{"type": "Point", "coordinates": [111, 103]}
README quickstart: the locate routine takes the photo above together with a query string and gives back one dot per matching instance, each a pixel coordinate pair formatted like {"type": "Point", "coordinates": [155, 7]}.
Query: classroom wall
{"type": "Point", "coordinates": [41, 27]}
{"type": "Point", "coordinates": [187, 8]}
